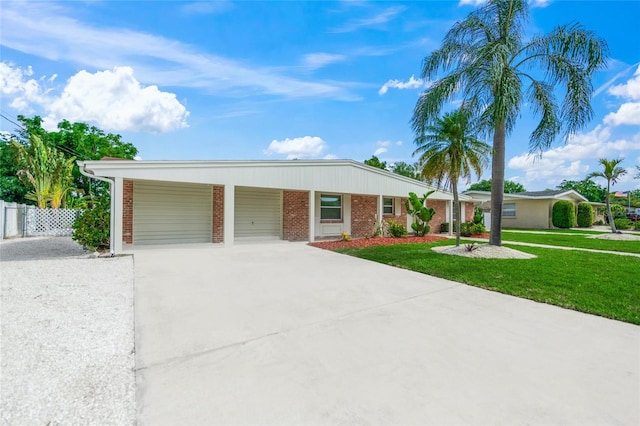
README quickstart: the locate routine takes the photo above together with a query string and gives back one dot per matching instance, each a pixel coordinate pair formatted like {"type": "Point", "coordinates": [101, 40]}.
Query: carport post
{"type": "Point", "coordinates": [312, 216]}
{"type": "Point", "coordinates": [229, 209]}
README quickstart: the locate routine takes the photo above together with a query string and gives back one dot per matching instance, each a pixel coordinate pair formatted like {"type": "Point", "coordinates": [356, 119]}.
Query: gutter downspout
{"type": "Point", "coordinates": [112, 217]}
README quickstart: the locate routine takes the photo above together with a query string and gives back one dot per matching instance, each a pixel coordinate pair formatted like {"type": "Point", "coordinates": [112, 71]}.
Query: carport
{"type": "Point", "coordinates": [179, 202]}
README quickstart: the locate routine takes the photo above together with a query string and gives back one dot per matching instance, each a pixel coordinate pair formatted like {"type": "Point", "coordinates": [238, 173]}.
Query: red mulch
{"type": "Point", "coordinates": [376, 241]}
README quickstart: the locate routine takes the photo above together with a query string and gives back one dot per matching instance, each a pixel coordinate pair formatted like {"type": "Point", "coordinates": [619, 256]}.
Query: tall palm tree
{"type": "Point", "coordinates": [487, 62]}
{"type": "Point", "coordinates": [612, 173]}
{"type": "Point", "coordinates": [449, 152]}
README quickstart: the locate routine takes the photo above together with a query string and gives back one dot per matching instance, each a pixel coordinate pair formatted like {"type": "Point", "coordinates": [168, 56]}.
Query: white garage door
{"type": "Point", "coordinates": [258, 212]}
{"type": "Point", "coordinates": [169, 213]}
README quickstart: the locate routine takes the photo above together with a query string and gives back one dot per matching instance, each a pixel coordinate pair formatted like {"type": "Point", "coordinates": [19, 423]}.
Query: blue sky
{"type": "Point", "coordinates": [275, 80]}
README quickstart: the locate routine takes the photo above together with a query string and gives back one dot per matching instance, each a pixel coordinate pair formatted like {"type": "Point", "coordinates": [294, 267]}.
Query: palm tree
{"type": "Point", "coordinates": [448, 152]}
{"type": "Point", "coordinates": [46, 169]}
{"type": "Point", "coordinates": [488, 63]}
{"type": "Point", "coordinates": [612, 173]}
{"type": "Point", "coordinates": [34, 160]}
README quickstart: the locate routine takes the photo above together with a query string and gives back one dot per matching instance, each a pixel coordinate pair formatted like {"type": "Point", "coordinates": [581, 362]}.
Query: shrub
{"type": "Point", "coordinates": [444, 227]}
{"type": "Point", "coordinates": [478, 216]}
{"type": "Point", "coordinates": [585, 215]}
{"type": "Point", "coordinates": [477, 228]}
{"type": "Point", "coordinates": [91, 228]}
{"type": "Point", "coordinates": [598, 222]}
{"type": "Point", "coordinates": [465, 229]}
{"type": "Point", "coordinates": [397, 229]}
{"type": "Point", "coordinates": [622, 223]}
{"type": "Point", "coordinates": [637, 226]}
{"type": "Point", "coordinates": [563, 214]}
{"type": "Point", "coordinates": [421, 214]}
{"type": "Point", "coordinates": [345, 236]}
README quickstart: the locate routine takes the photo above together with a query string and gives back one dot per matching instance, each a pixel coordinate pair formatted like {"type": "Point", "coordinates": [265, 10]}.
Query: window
{"type": "Point", "coordinates": [330, 207]}
{"type": "Point", "coordinates": [509, 210]}
{"type": "Point", "coordinates": [387, 205]}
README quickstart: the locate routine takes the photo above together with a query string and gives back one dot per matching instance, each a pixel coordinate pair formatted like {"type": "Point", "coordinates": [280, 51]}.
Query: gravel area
{"type": "Point", "coordinates": [484, 251]}
{"type": "Point", "coordinates": [67, 342]}
{"type": "Point", "coordinates": [619, 237]}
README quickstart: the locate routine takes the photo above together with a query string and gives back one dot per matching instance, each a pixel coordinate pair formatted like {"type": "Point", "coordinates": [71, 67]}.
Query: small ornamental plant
{"type": "Point", "coordinates": [345, 236]}
{"type": "Point", "coordinates": [396, 229]}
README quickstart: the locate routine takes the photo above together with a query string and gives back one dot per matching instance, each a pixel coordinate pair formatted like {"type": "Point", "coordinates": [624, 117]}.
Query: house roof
{"type": "Point", "coordinates": [532, 195]}
{"type": "Point", "coordinates": [341, 176]}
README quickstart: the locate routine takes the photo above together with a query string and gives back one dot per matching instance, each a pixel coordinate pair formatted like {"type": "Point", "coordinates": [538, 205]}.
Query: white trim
{"type": "Point", "coordinates": [312, 216]}
{"type": "Point", "coordinates": [229, 211]}
{"type": "Point", "coordinates": [118, 210]}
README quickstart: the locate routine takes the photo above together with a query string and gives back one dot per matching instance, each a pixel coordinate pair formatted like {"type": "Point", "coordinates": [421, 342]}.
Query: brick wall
{"type": "Point", "coordinates": [364, 209]}
{"type": "Point", "coordinates": [295, 215]}
{"type": "Point", "coordinates": [218, 215]}
{"type": "Point", "coordinates": [127, 212]}
{"type": "Point", "coordinates": [439, 218]}
{"type": "Point", "coordinates": [468, 212]}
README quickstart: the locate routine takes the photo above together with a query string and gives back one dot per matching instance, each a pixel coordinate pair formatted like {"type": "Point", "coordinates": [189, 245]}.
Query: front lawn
{"type": "Point", "coordinates": [597, 283]}
{"type": "Point", "coordinates": [579, 241]}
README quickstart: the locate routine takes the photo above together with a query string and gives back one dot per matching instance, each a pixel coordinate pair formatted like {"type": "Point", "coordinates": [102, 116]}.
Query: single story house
{"type": "Point", "coordinates": [165, 202]}
{"type": "Point", "coordinates": [527, 209]}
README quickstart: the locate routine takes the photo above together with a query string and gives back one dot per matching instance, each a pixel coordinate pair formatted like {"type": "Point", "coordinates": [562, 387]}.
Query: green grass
{"type": "Point", "coordinates": [597, 283]}
{"type": "Point", "coordinates": [580, 241]}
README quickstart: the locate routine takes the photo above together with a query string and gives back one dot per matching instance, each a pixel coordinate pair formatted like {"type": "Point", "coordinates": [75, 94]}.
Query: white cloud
{"type": "Point", "coordinates": [630, 89]}
{"type": "Point", "coordinates": [471, 2]}
{"type": "Point", "coordinates": [330, 157]}
{"type": "Point", "coordinates": [314, 61]}
{"type": "Point", "coordinates": [49, 30]}
{"type": "Point", "coordinates": [301, 147]}
{"type": "Point", "coordinates": [206, 7]}
{"type": "Point", "coordinates": [113, 100]}
{"type": "Point", "coordinates": [381, 18]}
{"type": "Point", "coordinates": [629, 112]}
{"type": "Point", "coordinates": [570, 161]}
{"type": "Point", "coordinates": [412, 83]}
{"type": "Point", "coordinates": [116, 100]}
{"type": "Point", "coordinates": [380, 151]}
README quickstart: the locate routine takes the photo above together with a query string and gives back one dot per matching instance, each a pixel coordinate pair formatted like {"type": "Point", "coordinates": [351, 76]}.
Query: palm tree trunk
{"type": "Point", "coordinates": [609, 215]}
{"type": "Point", "coordinates": [497, 184]}
{"type": "Point", "coordinates": [456, 208]}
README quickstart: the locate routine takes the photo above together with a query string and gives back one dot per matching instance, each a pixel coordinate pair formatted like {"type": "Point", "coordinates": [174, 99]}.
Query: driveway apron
{"type": "Point", "coordinates": [283, 333]}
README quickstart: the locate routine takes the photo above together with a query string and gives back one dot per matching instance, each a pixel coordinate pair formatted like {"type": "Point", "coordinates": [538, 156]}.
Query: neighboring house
{"type": "Point", "coordinates": [165, 202]}
{"type": "Point", "coordinates": [527, 209]}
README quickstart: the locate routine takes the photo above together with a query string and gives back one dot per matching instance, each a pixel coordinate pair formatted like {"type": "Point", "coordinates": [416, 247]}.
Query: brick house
{"type": "Point", "coordinates": [165, 202]}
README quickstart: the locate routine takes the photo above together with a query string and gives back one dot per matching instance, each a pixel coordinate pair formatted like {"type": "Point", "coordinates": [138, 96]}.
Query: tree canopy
{"type": "Point", "coordinates": [450, 152]}
{"type": "Point", "coordinates": [612, 172]}
{"type": "Point", "coordinates": [487, 62]}
{"type": "Point", "coordinates": [510, 187]}
{"type": "Point", "coordinates": [406, 170]}
{"type": "Point", "coordinates": [74, 140]}
{"type": "Point", "coordinates": [375, 162]}
{"type": "Point", "coordinates": [587, 188]}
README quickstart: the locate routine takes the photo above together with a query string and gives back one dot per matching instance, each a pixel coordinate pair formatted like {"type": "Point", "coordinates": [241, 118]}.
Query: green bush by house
{"type": "Point", "coordinates": [623, 223]}
{"type": "Point", "coordinates": [585, 215]}
{"type": "Point", "coordinates": [563, 214]}
{"type": "Point", "coordinates": [91, 228]}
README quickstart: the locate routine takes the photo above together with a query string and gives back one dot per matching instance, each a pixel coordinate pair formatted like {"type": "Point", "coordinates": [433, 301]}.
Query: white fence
{"type": "Point", "coordinates": [20, 220]}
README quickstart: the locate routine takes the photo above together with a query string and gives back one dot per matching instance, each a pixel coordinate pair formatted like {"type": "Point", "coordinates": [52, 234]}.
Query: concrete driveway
{"type": "Point", "coordinates": [283, 333]}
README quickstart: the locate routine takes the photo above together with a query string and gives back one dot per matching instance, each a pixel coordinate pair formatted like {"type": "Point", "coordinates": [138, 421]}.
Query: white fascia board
{"type": "Point", "coordinates": [346, 176]}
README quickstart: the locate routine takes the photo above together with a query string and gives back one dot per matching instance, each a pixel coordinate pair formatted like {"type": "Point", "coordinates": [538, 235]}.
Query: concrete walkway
{"type": "Point", "coordinates": [285, 333]}
{"type": "Point", "coordinates": [519, 243]}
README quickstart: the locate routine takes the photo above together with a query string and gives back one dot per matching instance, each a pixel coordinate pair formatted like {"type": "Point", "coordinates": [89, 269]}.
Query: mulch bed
{"type": "Point", "coordinates": [376, 241]}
